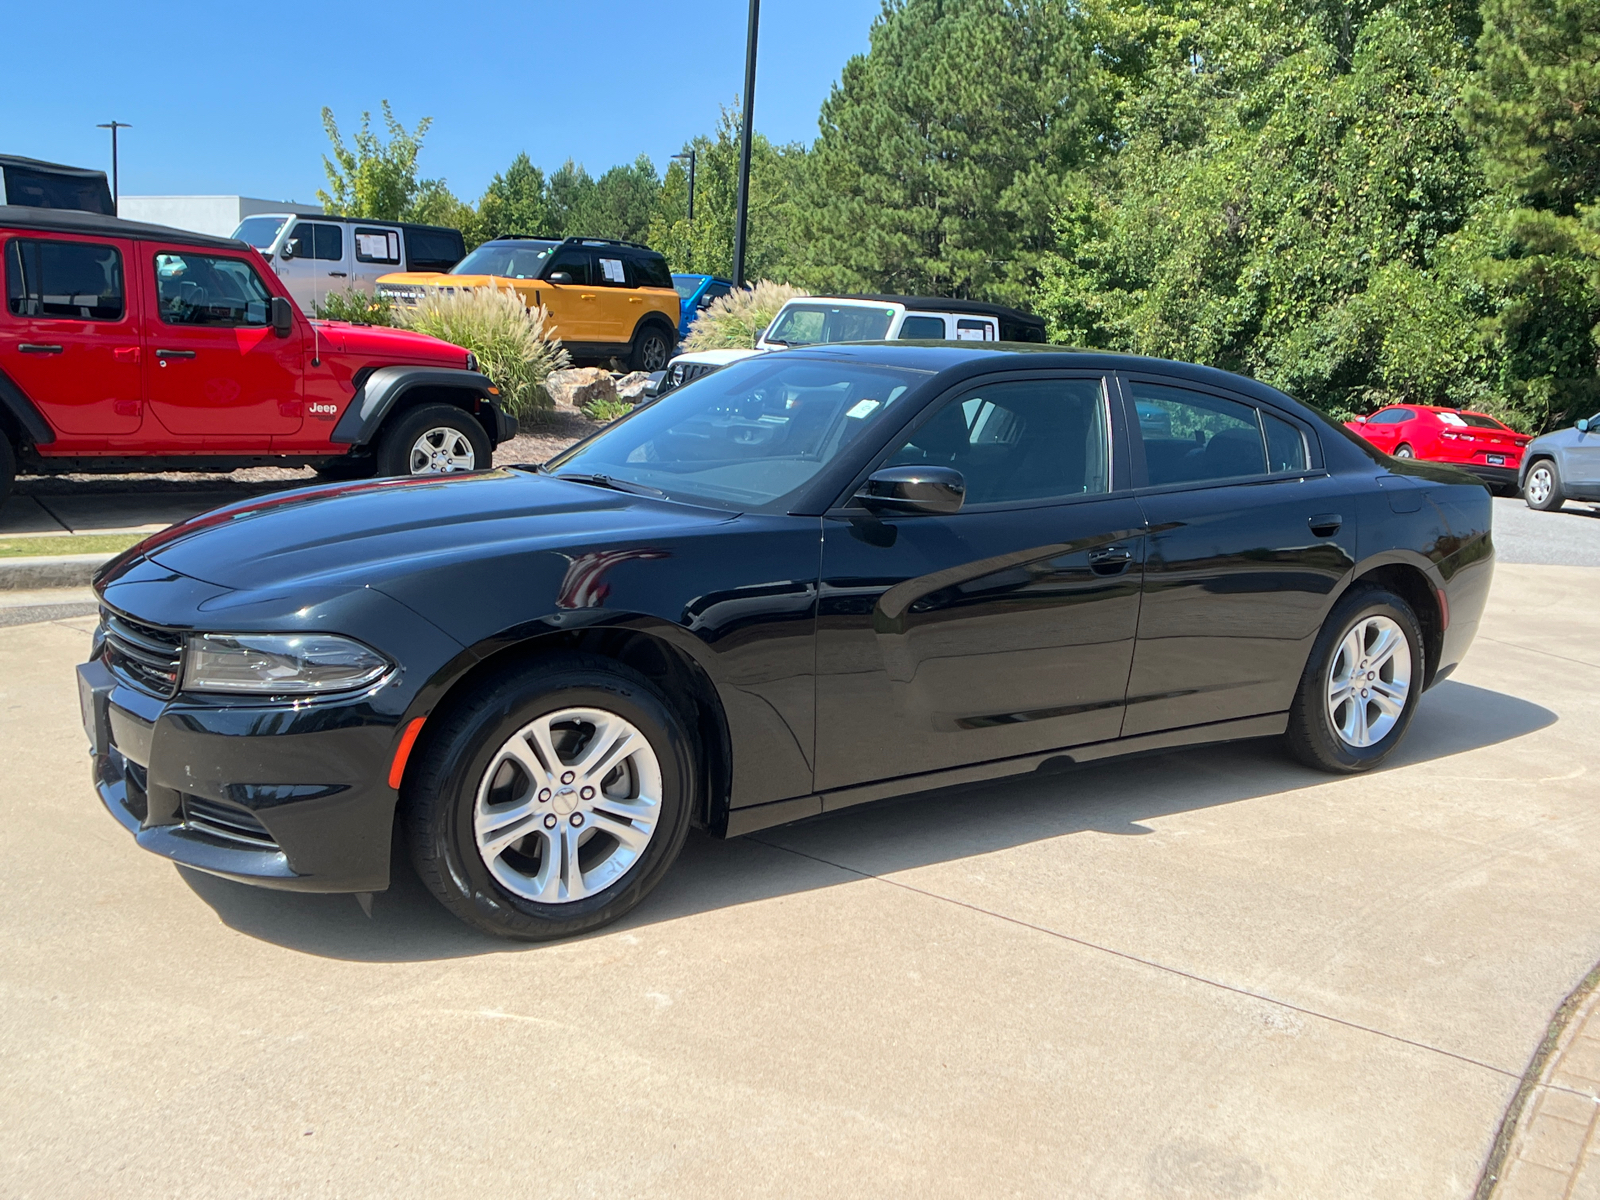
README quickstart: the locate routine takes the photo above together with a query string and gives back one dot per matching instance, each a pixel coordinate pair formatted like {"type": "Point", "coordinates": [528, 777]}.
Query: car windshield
{"type": "Point", "coordinates": [746, 437]}
{"type": "Point", "coordinates": [810, 323]}
{"type": "Point", "coordinates": [259, 232]}
{"type": "Point", "coordinates": [509, 260]}
{"type": "Point", "coordinates": [687, 285]}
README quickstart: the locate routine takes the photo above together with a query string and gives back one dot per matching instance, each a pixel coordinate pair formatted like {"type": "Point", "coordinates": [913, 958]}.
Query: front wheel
{"type": "Point", "coordinates": [1361, 684]}
{"type": "Point", "coordinates": [1542, 488]}
{"type": "Point", "coordinates": [553, 801]}
{"type": "Point", "coordinates": [652, 346]}
{"type": "Point", "coordinates": [436, 439]}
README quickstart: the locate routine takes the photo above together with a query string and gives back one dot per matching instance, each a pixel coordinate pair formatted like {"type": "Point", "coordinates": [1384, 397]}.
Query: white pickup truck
{"type": "Point", "coordinates": [811, 320]}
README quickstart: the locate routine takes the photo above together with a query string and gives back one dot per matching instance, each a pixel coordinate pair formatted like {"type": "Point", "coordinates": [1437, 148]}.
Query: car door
{"type": "Point", "coordinates": [216, 376]}
{"type": "Point", "coordinates": [1580, 458]}
{"type": "Point", "coordinates": [1248, 538]}
{"type": "Point", "coordinates": [617, 305]}
{"type": "Point", "coordinates": [1004, 629]}
{"type": "Point", "coordinates": [318, 264]}
{"type": "Point", "coordinates": [376, 251]}
{"type": "Point", "coordinates": [574, 305]}
{"type": "Point", "coordinates": [1383, 428]}
{"type": "Point", "coordinates": [70, 337]}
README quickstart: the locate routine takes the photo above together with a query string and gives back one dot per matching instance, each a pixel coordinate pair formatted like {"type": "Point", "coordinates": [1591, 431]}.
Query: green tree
{"type": "Point", "coordinates": [375, 178]}
{"type": "Point", "coordinates": [1535, 107]}
{"type": "Point", "coordinates": [515, 201]}
{"type": "Point", "coordinates": [944, 149]}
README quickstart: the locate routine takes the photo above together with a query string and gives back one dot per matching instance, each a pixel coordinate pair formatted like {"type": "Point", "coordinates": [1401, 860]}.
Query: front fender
{"type": "Point", "coordinates": [386, 386]}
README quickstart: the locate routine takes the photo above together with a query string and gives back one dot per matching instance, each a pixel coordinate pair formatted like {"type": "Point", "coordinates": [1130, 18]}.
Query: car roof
{"type": "Point", "coordinates": [70, 220]}
{"type": "Point", "coordinates": [980, 308]}
{"type": "Point", "coordinates": [339, 220]}
{"type": "Point", "coordinates": [1023, 356]}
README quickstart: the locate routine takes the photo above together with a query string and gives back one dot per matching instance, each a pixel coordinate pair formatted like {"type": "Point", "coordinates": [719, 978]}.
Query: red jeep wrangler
{"type": "Point", "coordinates": [130, 347]}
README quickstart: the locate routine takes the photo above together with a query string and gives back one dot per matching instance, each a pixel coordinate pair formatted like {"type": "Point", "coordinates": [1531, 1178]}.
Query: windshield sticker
{"type": "Point", "coordinates": [863, 408]}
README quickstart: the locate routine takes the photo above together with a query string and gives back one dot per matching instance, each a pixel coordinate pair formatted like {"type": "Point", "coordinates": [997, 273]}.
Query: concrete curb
{"type": "Point", "coordinates": [65, 570]}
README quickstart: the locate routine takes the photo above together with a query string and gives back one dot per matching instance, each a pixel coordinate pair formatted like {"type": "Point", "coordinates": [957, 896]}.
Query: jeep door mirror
{"type": "Point", "coordinates": [937, 490]}
{"type": "Point", "coordinates": [290, 247]}
{"type": "Point", "coordinates": [560, 277]}
{"type": "Point", "coordinates": [282, 317]}
{"type": "Point", "coordinates": [1583, 425]}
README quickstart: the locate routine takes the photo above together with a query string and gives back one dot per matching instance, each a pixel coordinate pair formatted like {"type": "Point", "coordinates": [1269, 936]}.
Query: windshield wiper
{"type": "Point", "coordinates": [616, 485]}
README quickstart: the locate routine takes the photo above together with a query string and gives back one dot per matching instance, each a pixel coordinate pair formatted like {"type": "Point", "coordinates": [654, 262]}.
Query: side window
{"type": "Point", "coordinates": [377, 246]}
{"type": "Point", "coordinates": [914, 328]}
{"type": "Point", "coordinates": [969, 330]}
{"type": "Point", "coordinates": [1391, 416]}
{"type": "Point", "coordinates": [433, 249]}
{"type": "Point", "coordinates": [1191, 437]}
{"type": "Point", "coordinates": [1286, 445]}
{"type": "Point", "coordinates": [208, 289]}
{"type": "Point", "coordinates": [611, 272]}
{"type": "Point", "coordinates": [649, 270]}
{"type": "Point", "coordinates": [319, 241]}
{"type": "Point", "coordinates": [76, 280]}
{"type": "Point", "coordinates": [574, 263]}
{"type": "Point", "coordinates": [1019, 441]}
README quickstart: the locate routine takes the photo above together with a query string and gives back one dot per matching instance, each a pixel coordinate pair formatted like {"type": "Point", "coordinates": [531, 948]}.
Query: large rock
{"type": "Point", "coordinates": [573, 389]}
{"type": "Point", "coordinates": [632, 385]}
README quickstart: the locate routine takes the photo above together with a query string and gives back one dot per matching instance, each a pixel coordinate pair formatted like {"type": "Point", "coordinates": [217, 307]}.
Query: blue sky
{"type": "Point", "coordinates": [226, 98]}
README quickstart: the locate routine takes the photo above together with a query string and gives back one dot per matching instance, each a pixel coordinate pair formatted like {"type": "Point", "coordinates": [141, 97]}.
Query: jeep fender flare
{"type": "Point", "coordinates": [384, 388]}
{"type": "Point", "coordinates": [27, 419]}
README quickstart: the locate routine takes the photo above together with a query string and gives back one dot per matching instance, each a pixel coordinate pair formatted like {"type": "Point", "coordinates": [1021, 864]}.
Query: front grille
{"type": "Point", "coordinates": [683, 373]}
{"type": "Point", "coordinates": [143, 655]}
{"type": "Point", "coordinates": [224, 821]}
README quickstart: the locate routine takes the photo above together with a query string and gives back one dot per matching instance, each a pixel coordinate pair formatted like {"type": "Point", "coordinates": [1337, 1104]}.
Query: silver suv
{"type": "Point", "coordinates": [318, 255]}
{"type": "Point", "coordinates": [1562, 466]}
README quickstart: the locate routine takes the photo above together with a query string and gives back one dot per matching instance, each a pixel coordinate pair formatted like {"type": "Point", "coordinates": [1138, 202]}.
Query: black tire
{"type": "Point", "coordinates": [1404, 450]}
{"type": "Point", "coordinates": [1541, 487]}
{"type": "Point", "coordinates": [351, 466]}
{"type": "Point", "coordinates": [440, 796]}
{"type": "Point", "coordinates": [8, 467]}
{"type": "Point", "coordinates": [652, 347]}
{"type": "Point", "coordinates": [1312, 735]}
{"type": "Point", "coordinates": [401, 435]}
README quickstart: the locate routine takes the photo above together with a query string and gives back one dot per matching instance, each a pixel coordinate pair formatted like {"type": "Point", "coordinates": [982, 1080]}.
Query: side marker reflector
{"type": "Point", "coordinates": [1444, 609]}
{"type": "Point", "coordinates": [397, 769]}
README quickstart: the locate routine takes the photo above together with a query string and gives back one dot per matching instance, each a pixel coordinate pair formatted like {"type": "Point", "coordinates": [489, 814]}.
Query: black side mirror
{"type": "Point", "coordinates": [282, 317]}
{"type": "Point", "coordinates": [938, 490]}
{"type": "Point", "coordinates": [560, 277]}
{"type": "Point", "coordinates": [289, 249]}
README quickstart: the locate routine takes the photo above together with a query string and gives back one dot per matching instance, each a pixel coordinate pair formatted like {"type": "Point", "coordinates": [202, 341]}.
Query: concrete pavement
{"type": "Point", "coordinates": [1205, 973]}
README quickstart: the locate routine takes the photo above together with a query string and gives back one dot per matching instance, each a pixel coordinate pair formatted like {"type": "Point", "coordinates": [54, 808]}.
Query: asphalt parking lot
{"type": "Point", "coordinates": [1205, 973]}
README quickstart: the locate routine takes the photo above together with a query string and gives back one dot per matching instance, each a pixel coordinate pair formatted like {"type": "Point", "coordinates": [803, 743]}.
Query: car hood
{"type": "Point", "coordinates": [364, 534]}
{"type": "Point", "coordinates": [399, 344]}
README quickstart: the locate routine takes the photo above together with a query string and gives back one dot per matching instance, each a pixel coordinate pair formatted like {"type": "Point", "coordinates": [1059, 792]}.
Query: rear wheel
{"type": "Point", "coordinates": [435, 439]}
{"type": "Point", "coordinates": [8, 467]}
{"type": "Point", "coordinates": [1361, 684]}
{"type": "Point", "coordinates": [652, 346]}
{"type": "Point", "coordinates": [553, 800]}
{"type": "Point", "coordinates": [1404, 450]}
{"type": "Point", "coordinates": [1542, 488]}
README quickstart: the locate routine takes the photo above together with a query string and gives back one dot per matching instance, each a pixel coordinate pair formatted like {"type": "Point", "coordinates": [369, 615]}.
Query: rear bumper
{"type": "Point", "coordinates": [1501, 476]}
{"type": "Point", "coordinates": [280, 797]}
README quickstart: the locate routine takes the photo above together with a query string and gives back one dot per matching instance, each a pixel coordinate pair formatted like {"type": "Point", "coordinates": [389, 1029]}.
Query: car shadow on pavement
{"type": "Point", "coordinates": [1117, 797]}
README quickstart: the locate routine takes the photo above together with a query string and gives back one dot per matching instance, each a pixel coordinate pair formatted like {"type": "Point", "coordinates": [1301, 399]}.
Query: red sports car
{"type": "Point", "coordinates": [1472, 441]}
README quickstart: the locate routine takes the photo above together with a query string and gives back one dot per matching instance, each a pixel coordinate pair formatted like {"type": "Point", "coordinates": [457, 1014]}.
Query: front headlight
{"type": "Point", "coordinates": [279, 664]}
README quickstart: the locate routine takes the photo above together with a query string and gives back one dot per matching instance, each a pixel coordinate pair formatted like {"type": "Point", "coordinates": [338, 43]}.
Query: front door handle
{"type": "Point", "coordinates": [35, 348]}
{"type": "Point", "coordinates": [337, 274]}
{"type": "Point", "coordinates": [174, 353]}
{"type": "Point", "coordinates": [1325, 524]}
{"type": "Point", "coordinates": [1110, 561]}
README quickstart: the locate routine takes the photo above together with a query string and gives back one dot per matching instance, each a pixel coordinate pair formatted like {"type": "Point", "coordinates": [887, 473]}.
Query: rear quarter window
{"type": "Point", "coordinates": [72, 280]}
{"type": "Point", "coordinates": [650, 270]}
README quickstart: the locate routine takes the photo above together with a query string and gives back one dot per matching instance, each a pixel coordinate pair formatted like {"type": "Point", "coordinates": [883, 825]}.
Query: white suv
{"type": "Point", "coordinates": [811, 320]}
{"type": "Point", "coordinates": [318, 255]}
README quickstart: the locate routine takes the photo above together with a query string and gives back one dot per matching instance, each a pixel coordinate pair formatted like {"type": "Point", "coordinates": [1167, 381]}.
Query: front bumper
{"type": "Point", "coordinates": [284, 796]}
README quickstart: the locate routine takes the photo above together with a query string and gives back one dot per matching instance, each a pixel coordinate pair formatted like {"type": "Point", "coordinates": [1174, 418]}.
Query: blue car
{"type": "Point", "coordinates": [696, 292]}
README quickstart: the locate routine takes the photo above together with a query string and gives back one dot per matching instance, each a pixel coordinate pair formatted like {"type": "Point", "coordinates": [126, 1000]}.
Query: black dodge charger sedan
{"type": "Point", "coordinates": [811, 580]}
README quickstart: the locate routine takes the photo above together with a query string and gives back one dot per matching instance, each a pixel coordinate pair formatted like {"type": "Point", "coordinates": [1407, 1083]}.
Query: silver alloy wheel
{"type": "Point", "coordinates": [1405, 452]}
{"type": "Point", "coordinates": [1539, 485]}
{"type": "Point", "coordinates": [442, 451]}
{"type": "Point", "coordinates": [567, 805]}
{"type": "Point", "coordinates": [1369, 681]}
{"type": "Point", "coordinates": [655, 352]}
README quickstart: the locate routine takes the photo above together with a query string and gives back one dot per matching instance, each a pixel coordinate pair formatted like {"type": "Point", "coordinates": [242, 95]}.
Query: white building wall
{"type": "Point", "coordinates": [216, 215]}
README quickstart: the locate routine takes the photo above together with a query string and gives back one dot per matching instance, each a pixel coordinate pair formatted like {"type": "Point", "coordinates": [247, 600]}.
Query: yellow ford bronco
{"type": "Point", "coordinates": [606, 299]}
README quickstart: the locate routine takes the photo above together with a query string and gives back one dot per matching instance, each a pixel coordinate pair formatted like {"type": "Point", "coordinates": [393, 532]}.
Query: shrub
{"type": "Point", "coordinates": [509, 339]}
{"type": "Point", "coordinates": [360, 308]}
{"type": "Point", "coordinates": [734, 321]}
{"type": "Point", "coordinates": [607, 410]}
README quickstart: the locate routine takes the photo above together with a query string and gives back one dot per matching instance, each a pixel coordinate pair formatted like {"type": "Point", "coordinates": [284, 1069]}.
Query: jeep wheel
{"type": "Point", "coordinates": [435, 439]}
{"type": "Point", "coordinates": [652, 346]}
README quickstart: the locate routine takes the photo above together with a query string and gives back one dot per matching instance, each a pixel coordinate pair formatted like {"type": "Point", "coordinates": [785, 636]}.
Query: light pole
{"type": "Point", "coordinates": [741, 219]}
{"type": "Point", "coordinates": [690, 155]}
{"type": "Point", "coordinates": [115, 192]}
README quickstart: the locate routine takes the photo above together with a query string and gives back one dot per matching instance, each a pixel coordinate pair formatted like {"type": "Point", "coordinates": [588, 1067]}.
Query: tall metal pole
{"type": "Point", "coordinates": [743, 215]}
{"type": "Point", "coordinates": [116, 193]}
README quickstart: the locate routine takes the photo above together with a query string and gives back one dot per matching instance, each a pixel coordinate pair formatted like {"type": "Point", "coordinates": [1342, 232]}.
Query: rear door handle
{"type": "Point", "coordinates": [1110, 560]}
{"type": "Point", "coordinates": [337, 274]}
{"type": "Point", "coordinates": [1325, 524]}
{"type": "Point", "coordinates": [174, 353]}
{"type": "Point", "coordinates": [35, 348]}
